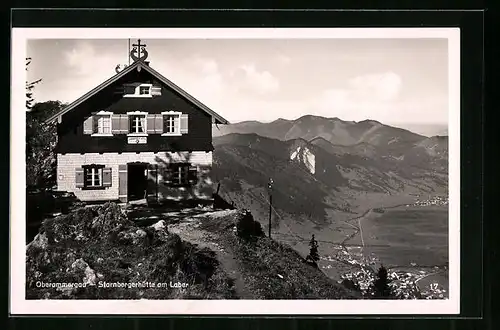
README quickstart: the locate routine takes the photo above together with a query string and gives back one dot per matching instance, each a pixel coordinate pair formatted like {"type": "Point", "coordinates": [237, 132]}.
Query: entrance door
{"type": "Point", "coordinates": [137, 180]}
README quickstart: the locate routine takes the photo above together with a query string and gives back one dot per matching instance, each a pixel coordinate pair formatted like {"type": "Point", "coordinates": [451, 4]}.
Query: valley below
{"type": "Point", "coordinates": [379, 196]}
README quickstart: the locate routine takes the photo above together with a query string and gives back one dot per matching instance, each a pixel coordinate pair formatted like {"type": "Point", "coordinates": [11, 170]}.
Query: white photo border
{"type": "Point", "coordinates": [19, 305]}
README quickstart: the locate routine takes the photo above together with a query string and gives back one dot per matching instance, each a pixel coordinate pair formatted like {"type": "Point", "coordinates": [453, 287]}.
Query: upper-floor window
{"type": "Point", "coordinates": [99, 124]}
{"type": "Point", "coordinates": [172, 123]}
{"type": "Point", "coordinates": [139, 90]}
{"type": "Point", "coordinates": [102, 124]}
{"type": "Point", "coordinates": [137, 124]}
{"type": "Point", "coordinates": [169, 124]}
{"type": "Point", "coordinates": [144, 90]}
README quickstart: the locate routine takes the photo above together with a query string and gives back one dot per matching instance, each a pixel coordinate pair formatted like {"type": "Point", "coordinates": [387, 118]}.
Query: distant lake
{"type": "Point", "coordinates": [413, 235]}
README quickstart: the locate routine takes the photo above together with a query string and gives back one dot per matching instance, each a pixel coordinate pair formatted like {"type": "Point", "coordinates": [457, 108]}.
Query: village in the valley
{"type": "Point", "coordinates": [431, 201]}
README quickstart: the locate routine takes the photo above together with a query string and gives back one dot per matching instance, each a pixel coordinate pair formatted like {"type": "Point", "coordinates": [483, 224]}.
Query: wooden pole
{"type": "Point", "coordinates": [270, 208]}
{"type": "Point", "coordinates": [270, 187]}
{"type": "Point", "coordinates": [128, 53]}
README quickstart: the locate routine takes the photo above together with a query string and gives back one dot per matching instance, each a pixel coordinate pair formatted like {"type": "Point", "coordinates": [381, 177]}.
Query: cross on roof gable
{"type": "Point", "coordinates": [141, 65]}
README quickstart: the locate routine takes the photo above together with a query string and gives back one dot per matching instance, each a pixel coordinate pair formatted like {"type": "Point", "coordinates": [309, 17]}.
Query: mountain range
{"type": "Point", "coordinates": [334, 130]}
{"type": "Point", "coordinates": [324, 168]}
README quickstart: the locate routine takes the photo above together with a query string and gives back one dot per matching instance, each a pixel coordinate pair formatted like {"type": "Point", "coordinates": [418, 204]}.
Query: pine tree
{"type": "Point", "coordinates": [313, 256]}
{"type": "Point", "coordinates": [381, 286]}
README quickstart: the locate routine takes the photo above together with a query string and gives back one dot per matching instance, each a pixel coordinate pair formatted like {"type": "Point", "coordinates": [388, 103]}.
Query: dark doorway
{"type": "Point", "coordinates": [137, 180]}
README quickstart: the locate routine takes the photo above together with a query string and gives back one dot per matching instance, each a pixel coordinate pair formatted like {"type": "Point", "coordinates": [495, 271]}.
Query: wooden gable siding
{"type": "Point", "coordinates": [72, 140]}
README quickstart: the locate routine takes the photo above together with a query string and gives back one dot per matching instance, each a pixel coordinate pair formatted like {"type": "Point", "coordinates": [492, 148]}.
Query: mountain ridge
{"type": "Point", "coordinates": [424, 129]}
{"type": "Point", "coordinates": [334, 130]}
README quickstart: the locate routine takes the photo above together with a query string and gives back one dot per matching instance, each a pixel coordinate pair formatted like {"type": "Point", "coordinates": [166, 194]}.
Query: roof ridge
{"type": "Point", "coordinates": [122, 73]}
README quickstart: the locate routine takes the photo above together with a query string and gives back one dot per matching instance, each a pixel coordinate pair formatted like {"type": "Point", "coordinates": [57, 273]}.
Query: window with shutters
{"type": "Point", "coordinates": [138, 90]}
{"type": "Point", "coordinates": [169, 124]}
{"type": "Point", "coordinates": [101, 124]}
{"type": "Point", "coordinates": [137, 123]}
{"type": "Point", "coordinates": [144, 90]}
{"type": "Point", "coordinates": [174, 123]}
{"type": "Point", "coordinates": [93, 177]}
{"type": "Point", "coordinates": [180, 174]}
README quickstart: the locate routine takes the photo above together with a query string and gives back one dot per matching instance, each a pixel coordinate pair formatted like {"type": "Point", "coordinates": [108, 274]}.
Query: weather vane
{"type": "Point", "coordinates": [119, 67]}
{"type": "Point", "coordinates": [139, 52]}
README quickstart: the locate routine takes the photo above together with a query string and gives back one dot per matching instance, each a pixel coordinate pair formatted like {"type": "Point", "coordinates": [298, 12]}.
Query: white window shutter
{"type": "Point", "coordinates": [177, 124]}
{"type": "Point", "coordinates": [155, 91]}
{"type": "Point", "coordinates": [88, 125]}
{"type": "Point", "coordinates": [150, 124]}
{"type": "Point", "coordinates": [158, 124]}
{"type": "Point", "coordinates": [184, 123]}
{"type": "Point", "coordinates": [79, 177]}
{"type": "Point", "coordinates": [106, 177]}
{"type": "Point", "coordinates": [123, 124]}
{"type": "Point", "coordinates": [115, 124]}
{"type": "Point", "coordinates": [122, 183]}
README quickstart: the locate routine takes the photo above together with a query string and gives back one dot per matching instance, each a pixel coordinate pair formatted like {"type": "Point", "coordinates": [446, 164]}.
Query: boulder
{"type": "Point", "coordinates": [80, 266]}
{"type": "Point", "coordinates": [160, 225]}
{"type": "Point", "coordinates": [40, 242]}
{"type": "Point", "coordinates": [132, 236]}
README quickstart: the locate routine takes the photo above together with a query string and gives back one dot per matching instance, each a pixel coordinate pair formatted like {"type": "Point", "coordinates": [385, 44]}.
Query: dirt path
{"type": "Point", "coordinates": [361, 234]}
{"type": "Point", "coordinates": [189, 231]}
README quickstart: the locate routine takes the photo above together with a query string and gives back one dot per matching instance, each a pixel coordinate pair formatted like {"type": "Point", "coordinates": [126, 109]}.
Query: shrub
{"type": "Point", "coordinates": [246, 226]}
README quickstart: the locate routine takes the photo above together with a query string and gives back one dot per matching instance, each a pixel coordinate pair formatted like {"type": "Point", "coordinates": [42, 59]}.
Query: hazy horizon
{"type": "Point", "coordinates": [426, 129]}
{"type": "Point", "coordinates": [388, 80]}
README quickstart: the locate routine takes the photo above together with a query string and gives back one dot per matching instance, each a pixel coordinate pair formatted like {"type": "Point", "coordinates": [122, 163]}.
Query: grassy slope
{"type": "Point", "coordinates": [272, 270]}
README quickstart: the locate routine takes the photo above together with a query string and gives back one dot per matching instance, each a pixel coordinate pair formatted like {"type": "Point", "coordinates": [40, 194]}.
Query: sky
{"type": "Point", "coordinates": [388, 80]}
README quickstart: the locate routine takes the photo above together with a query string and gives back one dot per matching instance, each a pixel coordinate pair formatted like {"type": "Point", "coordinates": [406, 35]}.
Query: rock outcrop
{"type": "Point", "coordinates": [75, 256]}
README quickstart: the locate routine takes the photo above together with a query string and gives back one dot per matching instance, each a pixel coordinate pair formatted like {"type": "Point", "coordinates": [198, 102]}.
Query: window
{"type": "Point", "coordinates": [103, 124]}
{"type": "Point", "coordinates": [144, 90]}
{"type": "Point", "coordinates": [181, 174]}
{"type": "Point", "coordinates": [93, 177]}
{"type": "Point", "coordinates": [171, 123]}
{"type": "Point", "coordinates": [99, 124]}
{"type": "Point", "coordinates": [137, 124]}
{"type": "Point", "coordinates": [139, 90]}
